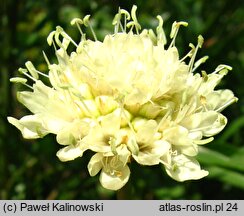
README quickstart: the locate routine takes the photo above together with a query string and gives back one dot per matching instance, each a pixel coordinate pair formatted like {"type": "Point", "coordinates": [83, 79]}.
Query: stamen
{"type": "Point", "coordinates": [204, 76]}
{"type": "Point", "coordinates": [28, 86]}
{"type": "Point", "coordinates": [33, 70]}
{"type": "Point", "coordinates": [114, 163]}
{"type": "Point", "coordinates": [151, 35]}
{"type": "Point", "coordinates": [134, 23]}
{"type": "Point", "coordinates": [174, 31]}
{"type": "Point", "coordinates": [65, 43]}
{"type": "Point", "coordinates": [223, 69]}
{"type": "Point", "coordinates": [189, 54]}
{"type": "Point", "coordinates": [118, 173]}
{"type": "Point", "coordinates": [199, 45]}
{"type": "Point", "coordinates": [24, 71]}
{"type": "Point", "coordinates": [126, 17]}
{"type": "Point", "coordinates": [87, 24]}
{"type": "Point", "coordinates": [46, 59]}
{"type": "Point", "coordinates": [20, 80]}
{"type": "Point", "coordinates": [199, 62]}
{"type": "Point", "coordinates": [55, 48]}
{"type": "Point", "coordinates": [112, 143]}
{"type": "Point", "coordinates": [78, 22]}
{"type": "Point", "coordinates": [117, 20]}
{"type": "Point", "coordinates": [161, 38]}
{"type": "Point", "coordinates": [50, 38]}
{"type": "Point", "coordinates": [67, 37]}
{"type": "Point", "coordinates": [56, 36]}
{"type": "Point", "coordinates": [231, 101]}
{"type": "Point", "coordinates": [163, 119]}
{"type": "Point", "coordinates": [134, 18]}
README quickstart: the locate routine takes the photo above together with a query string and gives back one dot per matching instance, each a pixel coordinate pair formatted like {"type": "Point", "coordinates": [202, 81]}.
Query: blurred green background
{"type": "Point", "coordinates": [29, 169]}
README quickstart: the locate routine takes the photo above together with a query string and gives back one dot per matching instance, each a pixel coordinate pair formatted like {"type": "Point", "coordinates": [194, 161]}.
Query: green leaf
{"type": "Point", "coordinates": [228, 176]}
{"type": "Point", "coordinates": [211, 157]}
{"type": "Point", "coordinates": [238, 157]}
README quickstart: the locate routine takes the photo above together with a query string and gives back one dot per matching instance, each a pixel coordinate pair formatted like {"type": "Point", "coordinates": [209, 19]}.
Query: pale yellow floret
{"type": "Point", "coordinates": [128, 98]}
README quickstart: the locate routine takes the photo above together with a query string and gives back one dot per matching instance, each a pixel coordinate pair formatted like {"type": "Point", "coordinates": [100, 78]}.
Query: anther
{"type": "Point", "coordinates": [134, 23]}
{"type": "Point", "coordinates": [160, 32]}
{"type": "Point", "coordinates": [174, 31]}
{"type": "Point", "coordinates": [199, 62]}
{"type": "Point", "coordinates": [87, 24]}
{"type": "Point", "coordinates": [20, 80]}
{"type": "Point", "coordinates": [24, 71]}
{"type": "Point", "coordinates": [199, 45]}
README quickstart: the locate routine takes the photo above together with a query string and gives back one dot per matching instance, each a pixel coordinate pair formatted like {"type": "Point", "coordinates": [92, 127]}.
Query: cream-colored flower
{"type": "Point", "coordinates": [114, 169]}
{"type": "Point", "coordinates": [152, 149]}
{"type": "Point", "coordinates": [185, 168]}
{"type": "Point", "coordinates": [128, 98]}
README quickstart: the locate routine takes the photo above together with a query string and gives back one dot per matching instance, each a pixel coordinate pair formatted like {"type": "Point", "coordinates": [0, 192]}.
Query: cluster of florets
{"type": "Point", "coordinates": [129, 98]}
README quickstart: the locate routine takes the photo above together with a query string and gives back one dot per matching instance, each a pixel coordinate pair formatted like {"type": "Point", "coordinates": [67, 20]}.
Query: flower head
{"type": "Point", "coordinates": [129, 98]}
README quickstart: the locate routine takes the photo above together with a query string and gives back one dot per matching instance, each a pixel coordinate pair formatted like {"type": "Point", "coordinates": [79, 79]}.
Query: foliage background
{"type": "Point", "coordinates": [29, 169]}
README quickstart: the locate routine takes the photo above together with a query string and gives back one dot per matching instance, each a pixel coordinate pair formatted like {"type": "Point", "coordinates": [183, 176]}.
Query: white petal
{"type": "Point", "coordinates": [54, 125]}
{"type": "Point", "coordinates": [70, 153]}
{"type": "Point", "coordinates": [197, 135]}
{"type": "Point", "coordinates": [217, 99]}
{"type": "Point", "coordinates": [146, 132]}
{"type": "Point", "coordinates": [209, 123]}
{"type": "Point", "coordinates": [189, 150]}
{"type": "Point", "coordinates": [185, 168]}
{"type": "Point", "coordinates": [96, 140]}
{"type": "Point", "coordinates": [208, 86]}
{"type": "Point", "coordinates": [123, 154]}
{"type": "Point", "coordinates": [95, 164]}
{"type": "Point", "coordinates": [106, 104]}
{"type": "Point", "coordinates": [35, 101]}
{"type": "Point", "coordinates": [150, 110]}
{"type": "Point", "coordinates": [177, 135]}
{"type": "Point", "coordinates": [137, 96]}
{"type": "Point", "coordinates": [116, 181]}
{"type": "Point", "coordinates": [153, 154]}
{"type": "Point", "coordinates": [88, 107]}
{"type": "Point", "coordinates": [110, 123]}
{"type": "Point", "coordinates": [30, 126]}
{"type": "Point", "coordinates": [72, 132]}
